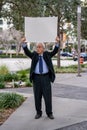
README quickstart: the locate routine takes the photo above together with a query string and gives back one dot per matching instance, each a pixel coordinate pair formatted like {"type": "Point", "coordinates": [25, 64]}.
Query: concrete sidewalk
{"type": "Point", "coordinates": [67, 111]}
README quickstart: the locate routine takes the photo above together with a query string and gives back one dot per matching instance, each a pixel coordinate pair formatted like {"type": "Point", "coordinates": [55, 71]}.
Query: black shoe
{"type": "Point", "coordinates": [51, 116]}
{"type": "Point", "coordinates": [38, 116]}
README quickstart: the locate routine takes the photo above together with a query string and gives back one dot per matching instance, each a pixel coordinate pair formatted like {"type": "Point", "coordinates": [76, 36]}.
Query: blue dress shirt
{"type": "Point", "coordinates": [45, 68]}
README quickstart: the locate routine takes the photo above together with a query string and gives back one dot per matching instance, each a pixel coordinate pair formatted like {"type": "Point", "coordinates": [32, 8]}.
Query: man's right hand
{"type": "Point", "coordinates": [23, 39]}
{"type": "Point", "coordinates": [57, 39]}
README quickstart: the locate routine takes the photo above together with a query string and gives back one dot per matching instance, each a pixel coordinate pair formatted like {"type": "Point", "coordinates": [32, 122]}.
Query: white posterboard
{"type": "Point", "coordinates": [40, 29]}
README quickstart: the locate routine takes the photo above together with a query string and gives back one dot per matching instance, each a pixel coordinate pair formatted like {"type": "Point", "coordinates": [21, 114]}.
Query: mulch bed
{"type": "Point", "coordinates": [4, 114]}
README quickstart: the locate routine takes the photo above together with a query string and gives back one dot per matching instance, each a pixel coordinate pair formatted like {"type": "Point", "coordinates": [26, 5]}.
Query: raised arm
{"type": "Point", "coordinates": [55, 50]}
{"type": "Point", "coordinates": [25, 48]}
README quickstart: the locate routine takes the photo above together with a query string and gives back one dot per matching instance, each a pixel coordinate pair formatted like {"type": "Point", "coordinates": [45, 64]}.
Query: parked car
{"type": "Point", "coordinates": [83, 55]}
{"type": "Point", "coordinates": [68, 54]}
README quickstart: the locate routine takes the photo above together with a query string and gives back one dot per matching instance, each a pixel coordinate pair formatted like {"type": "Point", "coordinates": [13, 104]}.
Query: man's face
{"type": "Point", "coordinates": [40, 48]}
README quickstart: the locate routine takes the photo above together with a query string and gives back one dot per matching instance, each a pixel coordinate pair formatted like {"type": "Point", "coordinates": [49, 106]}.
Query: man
{"type": "Point", "coordinates": [41, 75]}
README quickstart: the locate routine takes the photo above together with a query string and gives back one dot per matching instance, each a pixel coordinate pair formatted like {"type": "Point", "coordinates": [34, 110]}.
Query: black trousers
{"type": "Point", "coordinates": [42, 87]}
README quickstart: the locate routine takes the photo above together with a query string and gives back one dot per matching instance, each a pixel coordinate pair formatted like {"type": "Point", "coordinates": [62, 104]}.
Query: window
{"type": "Point", "coordinates": [1, 21]}
{"type": "Point", "coordinates": [8, 22]}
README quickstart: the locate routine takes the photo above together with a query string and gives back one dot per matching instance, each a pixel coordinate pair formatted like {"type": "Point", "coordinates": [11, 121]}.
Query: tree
{"type": "Point", "coordinates": [10, 36]}
{"type": "Point", "coordinates": [1, 4]}
{"type": "Point", "coordinates": [65, 10]}
{"type": "Point", "coordinates": [16, 36]}
{"type": "Point", "coordinates": [6, 40]}
{"type": "Point", "coordinates": [16, 10]}
{"type": "Point", "coordinates": [84, 23]}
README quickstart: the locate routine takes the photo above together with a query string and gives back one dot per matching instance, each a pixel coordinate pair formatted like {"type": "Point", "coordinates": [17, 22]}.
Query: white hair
{"type": "Point", "coordinates": [41, 44]}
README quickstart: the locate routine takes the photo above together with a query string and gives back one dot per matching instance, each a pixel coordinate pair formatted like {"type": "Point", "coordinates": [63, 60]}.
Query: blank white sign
{"type": "Point", "coordinates": [40, 29]}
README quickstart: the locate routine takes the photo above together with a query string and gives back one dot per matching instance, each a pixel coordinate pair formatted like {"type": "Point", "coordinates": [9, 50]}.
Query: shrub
{"type": "Point", "coordinates": [10, 77]}
{"type": "Point", "coordinates": [15, 77]}
{"type": "Point", "coordinates": [13, 55]}
{"type": "Point", "coordinates": [16, 85]}
{"type": "Point", "coordinates": [28, 83]}
{"type": "Point", "coordinates": [10, 100]}
{"type": "Point", "coordinates": [2, 85]}
{"type": "Point", "coordinates": [22, 75]}
{"type": "Point", "coordinates": [2, 78]}
{"type": "Point", "coordinates": [4, 70]}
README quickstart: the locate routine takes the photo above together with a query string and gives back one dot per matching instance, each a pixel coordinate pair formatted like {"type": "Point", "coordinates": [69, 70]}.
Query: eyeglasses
{"type": "Point", "coordinates": [39, 47]}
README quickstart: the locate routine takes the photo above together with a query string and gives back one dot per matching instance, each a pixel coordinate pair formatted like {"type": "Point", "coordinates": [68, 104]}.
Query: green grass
{"type": "Point", "coordinates": [84, 65]}
{"type": "Point", "coordinates": [69, 69]}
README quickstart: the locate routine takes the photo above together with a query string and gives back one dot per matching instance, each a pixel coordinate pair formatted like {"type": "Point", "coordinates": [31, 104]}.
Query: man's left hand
{"type": "Point", "coordinates": [57, 39]}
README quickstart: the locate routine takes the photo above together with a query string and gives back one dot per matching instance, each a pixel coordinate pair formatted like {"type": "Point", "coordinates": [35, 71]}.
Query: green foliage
{"type": "Point", "coordinates": [85, 65]}
{"type": "Point", "coordinates": [84, 23]}
{"type": "Point", "coordinates": [2, 85]}
{"type": "Point", "coordinates": [10, 100]}
{"type": "Point", "coordinates": [67, 69]}
{"type": "Point", "coordinates": [22, 75]}
{"type": "Point", "coordinates": [13, 56]}
{"type": "Point", "coordinates": [28, 83]}
{"type": "Point", "coordinates": [2, 78]}
{"type": "Point", "coordinates": [4, 70]}
{"type": "Point", "coordinates": [19, 9]}
{"type": "Point", "coordinates": [84, 29]}
{"type": "Point", "coordinates": [65, 10]}
{"type": "Point", "coordinates": [10, 77]}
{"type": "Point", "coordinates": [16, 85]}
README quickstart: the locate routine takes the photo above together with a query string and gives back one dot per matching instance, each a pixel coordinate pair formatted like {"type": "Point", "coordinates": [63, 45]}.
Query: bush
{"type": "Point", "coordinates": [4, 70]}
{"type": "Point", "coordinates": [10, 100]}
{"type": "Point", "coordinates": [16, 85]}
{"type": "Point", "coordinates": [9, 77]}
{"type": "Point", "coordinates": [2, 85]}
{"type": "Point", "coordinates": [22, 75]}
{"type": "Point", "coordinates": [13, 56]}
{"type": "Point", "coordinates": [28, 83]}
{"type": "Point", "coordinates": [2, 78]}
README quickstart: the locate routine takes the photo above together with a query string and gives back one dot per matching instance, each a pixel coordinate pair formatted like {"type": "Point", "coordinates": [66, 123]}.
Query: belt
{"type": "Point", "coordinates": [41, 74]}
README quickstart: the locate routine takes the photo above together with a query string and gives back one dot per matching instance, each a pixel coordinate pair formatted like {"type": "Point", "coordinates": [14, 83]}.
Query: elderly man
{"type": "Point", "coordinates": [41, 75]}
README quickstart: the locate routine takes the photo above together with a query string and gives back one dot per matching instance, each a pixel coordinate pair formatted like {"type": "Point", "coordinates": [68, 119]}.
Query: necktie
{"type": "Point", "coordinates": [40, 64]}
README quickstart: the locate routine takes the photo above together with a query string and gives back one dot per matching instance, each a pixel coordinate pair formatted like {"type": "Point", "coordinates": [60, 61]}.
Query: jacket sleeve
{"type": "Point", "coordinates": [27, 51]}
{"type": "Point", "coordinates": [55, 50]}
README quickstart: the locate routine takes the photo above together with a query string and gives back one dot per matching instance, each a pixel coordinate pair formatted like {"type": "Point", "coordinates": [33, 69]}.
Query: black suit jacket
{"type": "Point", "coordinates": [47, 57]}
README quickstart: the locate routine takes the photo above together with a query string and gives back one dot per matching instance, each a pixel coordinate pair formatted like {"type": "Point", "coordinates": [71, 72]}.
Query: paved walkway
{"type": "Point", "coordinates": [69, 107]}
